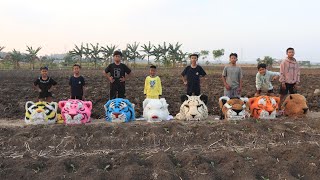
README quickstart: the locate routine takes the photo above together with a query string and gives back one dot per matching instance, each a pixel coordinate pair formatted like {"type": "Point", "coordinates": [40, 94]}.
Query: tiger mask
{"type": "Point", "coordinates": [75, 111]}
{"type": "Point", "coordinates": [234, 108]}
{"type": "Point", "coordinates": [41, 112]}
{"type": "Point", "coordinates": [264, 107]}
{"type": "Point", "coordinates": [193, 108]}
{"type": "Point", "coordinates": [295, 105]}
{"type": "Point", "coordinates": [119, 110]}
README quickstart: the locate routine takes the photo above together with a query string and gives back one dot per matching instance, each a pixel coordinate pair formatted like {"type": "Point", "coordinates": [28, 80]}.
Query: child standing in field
{"type": "Point", "coordinates": [191, 76]}
{"type": "Point", "coordinates": [117, 76]}
{"type": "Point", "coordinates": [232, 77]}
{"type": "Point", "coordinates": [77, 84]}
{"type": "Point", "coordinates": [152, 84]}
{"type": "Point", "coordinates": [264, 79]}
{"type": "Point", "coordinates": [289, 74]}
{"type": "Point", "coordinates": [44, 85]}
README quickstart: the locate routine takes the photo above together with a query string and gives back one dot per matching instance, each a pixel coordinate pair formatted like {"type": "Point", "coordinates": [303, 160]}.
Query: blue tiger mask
{"type": "Point", "coordinates": [119, 110]}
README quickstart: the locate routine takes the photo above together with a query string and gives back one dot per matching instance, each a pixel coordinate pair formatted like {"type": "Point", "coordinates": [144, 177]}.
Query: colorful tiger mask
{"type": "Point", "coordinates": [41, 112]}
{"type": "Point", "coordinates": [193, 108]}
{"type": "Point", "coordinates": [75, 111]}
{"type": "Point", "coordinates": [155, 110]}
{"type": "Point", "coordinates": [234, 108]}
{"type": "Point", "coordinates": [119, 110]}
{"type": "Point", "coordinates": [295, 105]}
{"type": "Point", "coordinates": [264, 107]}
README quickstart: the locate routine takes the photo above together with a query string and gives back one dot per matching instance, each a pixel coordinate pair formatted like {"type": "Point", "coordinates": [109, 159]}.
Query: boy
{"type": "Point", "coordinates": [264, 79]}
{"type": "Point", "coordinates": [152, 84]}
{"type": "Point", "coordinates": [191, 76]}
{"type": "Point", "coordinates": [77, 84]}
{"type": "Point", "coordinates": [232, 77]}
{"type": "Point", "coordinates": [289, 74]}
{"type": "Point", "coordinates": [117, 76]}
{"type": "Point", "coordinates": [44, 85]}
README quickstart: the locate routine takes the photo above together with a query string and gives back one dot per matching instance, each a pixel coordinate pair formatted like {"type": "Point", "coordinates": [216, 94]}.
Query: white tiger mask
{"type": "Point", "coordinates": [193, 108]}
{"type": "Point", "coordinates": [155, 110]}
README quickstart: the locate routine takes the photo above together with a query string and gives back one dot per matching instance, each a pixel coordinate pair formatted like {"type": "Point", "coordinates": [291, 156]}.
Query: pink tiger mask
{"type": "Point", "coordinates": [75, 111]}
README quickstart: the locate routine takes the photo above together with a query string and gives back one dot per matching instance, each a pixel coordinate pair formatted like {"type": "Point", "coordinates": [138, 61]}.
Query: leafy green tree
{"type": "Point", "coordinates": [204, 54]}
{"type": "Point", "coordinates": [266, 60]}
{"type": "Point", "coordinates": [217, 54]}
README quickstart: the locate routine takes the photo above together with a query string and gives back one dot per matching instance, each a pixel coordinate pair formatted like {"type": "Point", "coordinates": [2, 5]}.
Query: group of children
{"type": "Point", "coordinates": [117, 73]}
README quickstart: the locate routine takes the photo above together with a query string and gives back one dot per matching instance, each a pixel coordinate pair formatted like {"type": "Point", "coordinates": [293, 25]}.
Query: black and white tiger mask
{"type": "Point", "coordinates": [193, 108]}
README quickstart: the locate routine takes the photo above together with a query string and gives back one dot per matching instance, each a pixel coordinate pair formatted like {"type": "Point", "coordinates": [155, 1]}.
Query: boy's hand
{"type": "Point", "coordinates": [283, 86]}
{"type": "Point", "coordinates": [275, 78]}
{"type": "Point", "coordinates": [239, 90]}
{"type": "Point", "coordinates": [227, 86]}
{"type": "Point", "coordinates": [83, 99]}
{"type": "Point", "coordinates": [111, 79]}
{"type": "Point", "coordinates": [185, 82]}
{"type": "Point", "coordinates": [257, 94]}
{"type": "Point", "coordinates": [122, 79]}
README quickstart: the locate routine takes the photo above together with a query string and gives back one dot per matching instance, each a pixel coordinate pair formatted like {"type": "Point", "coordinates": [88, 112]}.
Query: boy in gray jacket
{"type": "Point", "coordinates": [264, 79]}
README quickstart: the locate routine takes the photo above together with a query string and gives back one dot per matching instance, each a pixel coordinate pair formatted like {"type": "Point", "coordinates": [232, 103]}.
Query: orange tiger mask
{"type": "Point", "coordinates": [264, 107]}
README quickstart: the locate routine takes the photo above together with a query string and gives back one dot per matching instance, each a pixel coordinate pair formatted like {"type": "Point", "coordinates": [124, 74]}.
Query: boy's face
{"type": "Point", "coordinates": [76, 69]}
{"type": "Point", "coordinates": [290, 53]}
{"type": "Point", "coordinates": [262, 70]}
{"type": "Point", "coordinates": [44, 72]}
{"type": "Point", "coordinates": [233, 59]}
{"type": "Point", "coordinates": [193, 59]}
{"type": "Point", "coordinates": [153, 71]}
{"type": "Point", "coordinates": [117, 58]}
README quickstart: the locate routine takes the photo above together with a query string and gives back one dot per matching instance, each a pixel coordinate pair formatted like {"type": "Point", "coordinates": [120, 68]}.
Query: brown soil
{"type": "Point", "coordinates": [280, 149]}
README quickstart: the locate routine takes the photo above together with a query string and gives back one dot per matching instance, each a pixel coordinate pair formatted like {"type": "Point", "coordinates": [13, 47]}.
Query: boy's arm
{"type": "Point", "coordinates": [258, 82]}
{"type": "Point", "coordinates": [298, 75]}
{"type": "Point", "coordinates": [282, 78]}
{"type": "Point", "coordinates": [184, 79]}
{"type": "Point", "coordinates": [226, 85]}
{"type": "Point", "coordinates": [145, 86]}
{"type": "Point", "coordinates": [160, 87]}
{"type": "Point", "coordinates": [110, 78]}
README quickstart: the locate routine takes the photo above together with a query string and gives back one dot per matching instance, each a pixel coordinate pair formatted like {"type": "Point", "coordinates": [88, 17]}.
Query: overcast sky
{"type": "Point", "coordinates": [252, 28]}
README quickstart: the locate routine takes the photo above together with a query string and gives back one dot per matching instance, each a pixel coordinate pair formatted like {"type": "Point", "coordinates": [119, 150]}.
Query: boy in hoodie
{"type": "Point", "coordinates": [289, 75]}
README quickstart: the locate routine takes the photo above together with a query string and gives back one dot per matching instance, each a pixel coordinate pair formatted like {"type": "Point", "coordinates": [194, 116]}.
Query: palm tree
{"type": "Point", "coordinates": [133, 52]}
{"type": "Point", "coordinates": [77, 52]}
{"type": "Point", "coordinates": [148, 50]}
{"type": "Point", "coordinates": [16, 57]}
{"type": "Point", "coordinates": [108, 52]}
{"type": "Point", "coordinates": [32, 55]}
{"type": "Point", "coordinates": [95, 51]}
{"type": "Point", "coordinates": [175, 53]}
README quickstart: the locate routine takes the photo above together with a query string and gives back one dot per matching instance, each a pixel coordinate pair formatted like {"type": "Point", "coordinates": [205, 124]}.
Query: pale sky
{"type": "Point", "coordinates": [251, 28]}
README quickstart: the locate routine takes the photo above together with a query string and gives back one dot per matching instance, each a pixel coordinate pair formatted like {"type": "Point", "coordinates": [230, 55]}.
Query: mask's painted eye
{"type": "Point", "coordinates": [46, 111]}
{"type": "Point", "coordinates": [199, 105]}
{"type": "Point", "coordinates": [187, 106]}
